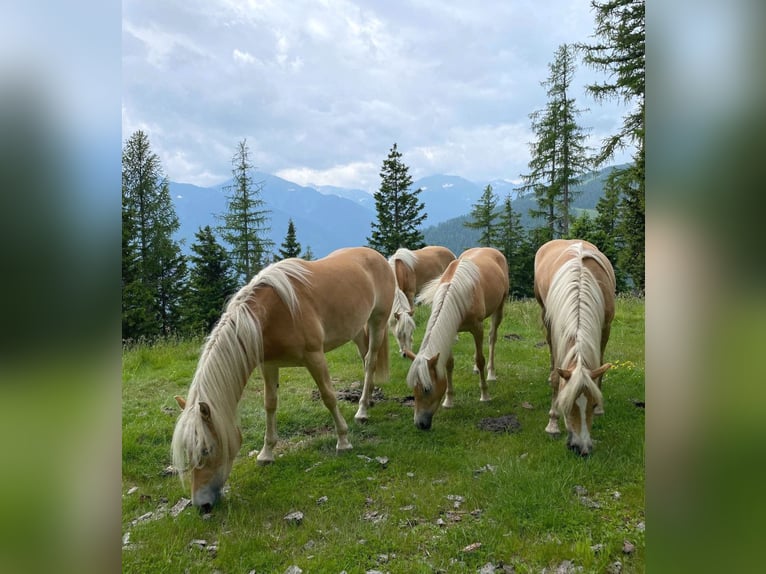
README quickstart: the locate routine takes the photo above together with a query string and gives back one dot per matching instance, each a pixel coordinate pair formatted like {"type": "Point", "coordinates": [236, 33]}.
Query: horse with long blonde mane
{"type": "Point", "coordinates": [575, 285]}
{"type": "Point", "coordinates": [472, 288]}
{"type": "Point", "coordinates": [290, 314]}
{"type": "Point", "coordinates": [413, 270]}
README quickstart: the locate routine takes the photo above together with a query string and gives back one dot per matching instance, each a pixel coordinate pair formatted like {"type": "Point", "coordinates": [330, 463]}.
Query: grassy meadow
{"type": "Point", "coordinates": [453, 499]}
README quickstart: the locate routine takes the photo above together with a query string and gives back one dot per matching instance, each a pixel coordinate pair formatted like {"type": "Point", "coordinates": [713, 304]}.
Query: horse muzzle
{"type": "Point", "coordinates": [205, 498]}
{"type": "Point", "coordinates": [423, 421]}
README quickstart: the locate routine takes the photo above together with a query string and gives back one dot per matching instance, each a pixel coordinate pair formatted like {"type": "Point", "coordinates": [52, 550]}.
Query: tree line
{"type": "Point", "coordinates": [165, 292]}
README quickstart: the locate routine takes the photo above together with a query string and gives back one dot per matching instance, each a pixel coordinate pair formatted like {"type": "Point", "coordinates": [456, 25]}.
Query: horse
{"type": "Point", "coordinates": [413, 269]}
{"type": "Point", "coordinates": [472, 288]}
{"type": "Point", "coordinates": [289, 314]}
{"type": "Point", "coordinates": [401, 323]}
{"type": "Point", "coordinates": [575, 285]}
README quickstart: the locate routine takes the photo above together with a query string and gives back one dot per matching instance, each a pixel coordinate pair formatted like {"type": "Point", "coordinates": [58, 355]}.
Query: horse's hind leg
{"type": "Point", "coordinates": [478, 339]}
{"type": "Point", "coordinates": [317, 366]}
{"type": "Point", "coordinates": [497, 317]}
{"type": "Point", "coordinates": [373, 345]}
{"type": "Point", "coordinates": [270, 384]}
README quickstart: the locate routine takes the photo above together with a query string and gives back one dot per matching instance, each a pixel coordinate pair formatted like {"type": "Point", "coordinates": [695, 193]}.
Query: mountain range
{"type": "Point", "coordinates": [327, 217]}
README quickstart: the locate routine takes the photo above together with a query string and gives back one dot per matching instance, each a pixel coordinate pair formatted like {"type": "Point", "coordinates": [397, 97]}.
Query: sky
{"type": "Point", "coordinates": [322, 89]}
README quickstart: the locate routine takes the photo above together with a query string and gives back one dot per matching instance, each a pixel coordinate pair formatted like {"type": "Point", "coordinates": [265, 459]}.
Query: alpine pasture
{"type": "Point", "coordinates": [466, 496]}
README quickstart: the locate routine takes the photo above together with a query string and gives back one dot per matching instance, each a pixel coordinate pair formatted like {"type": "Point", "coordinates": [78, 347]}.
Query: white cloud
{"type": "Point", "coordinates": [360, 175]}
{"type": "Point", "coordinates": [243, 57]}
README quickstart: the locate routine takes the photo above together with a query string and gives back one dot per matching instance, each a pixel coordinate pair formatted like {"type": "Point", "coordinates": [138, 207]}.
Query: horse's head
{"type": "Point", "coordinates": [404, 327]}
{"type": "Point", "coordinates": [428, 386]}
{"type": "Point", "coordinates": [578, 397]}
{"type": "Point", "coordinates": [204, 451]}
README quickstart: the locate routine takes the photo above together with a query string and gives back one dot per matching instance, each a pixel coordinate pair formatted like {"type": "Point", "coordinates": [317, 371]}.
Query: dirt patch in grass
{"type": "Point", "coordinates": [352, 395]}
{"type": "Point", "coordinates": [505, 423]}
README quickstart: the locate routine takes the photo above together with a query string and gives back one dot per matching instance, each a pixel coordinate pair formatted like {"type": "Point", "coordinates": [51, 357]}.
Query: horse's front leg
{"type": "Point", "coordinates": [449, 397]}
{"type": "Point", "coordinates": [553, 416]}
{"type": "Point", "coordinates": [270, 386]}
{"type": "Point", "coordinates": [317, 366]}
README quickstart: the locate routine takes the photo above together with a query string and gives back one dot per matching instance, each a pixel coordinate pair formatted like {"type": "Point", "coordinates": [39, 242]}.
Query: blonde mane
{"type": "Point", "coordinates": [574, 312]}
{"type": "Point", "coordinates": [405, 256]}
{"type": "Point", "coordinates": [231, 352]}
{"type": "Point", "coordinates": [450, 301]}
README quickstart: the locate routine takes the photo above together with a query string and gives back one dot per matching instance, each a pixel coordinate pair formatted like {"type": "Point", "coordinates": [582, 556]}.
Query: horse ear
{"type": "Point", "coordinates": [432, 361]}
{"type": "Point", "coordinates": [565, 373]}
{"type": "Point", "coordinates": [204, 409]}
{"type": "Point", "coordinates": [595, 374]}
{"type": "Point", "coordinates": [411, 312]}
{"type": "Point", "coordinates": [409, 354]}
{"type": "Point", "coordinates": [181, 401]}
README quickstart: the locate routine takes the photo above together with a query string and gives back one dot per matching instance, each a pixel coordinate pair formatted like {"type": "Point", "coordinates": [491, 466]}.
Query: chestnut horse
{"type": "Point", "coordinates": [413, 269]}
{"type": "Point", "coordinates": [472, 288]}
{"type": "Point", "coordinates": [575, 284]}
{"type": "Point", "coordinates": [290, 314]}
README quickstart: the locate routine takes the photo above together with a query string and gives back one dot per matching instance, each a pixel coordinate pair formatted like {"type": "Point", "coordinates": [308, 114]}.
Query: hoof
{"type": "Point", "coordinates": [342, 449]}
{"type": "Point", "coordinates": [264, 461]}
{"type": "Point", "coordinates": [361, 420]}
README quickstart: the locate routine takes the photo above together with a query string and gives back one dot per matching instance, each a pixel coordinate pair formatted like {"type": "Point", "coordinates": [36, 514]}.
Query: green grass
{"type": "Point", "coordinates": [523, 509]}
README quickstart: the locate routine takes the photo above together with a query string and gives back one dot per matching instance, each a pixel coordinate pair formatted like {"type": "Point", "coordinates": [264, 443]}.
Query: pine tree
{"type": "Point", "coordinates": [154, 270]}
{"type": "Point", "coordinates": [621, 54]}
{"type": "Point", "coordinates": [290, 246]}
{"type": "Point", "coordinates": [510, 241]}
{"type": "Point", "coordinates": [246, 222]}
{"type": "Point", "coordinates": [211, 282]}
{"type": "Point", "coordinates": [483, 217]}
{"type": "Point", "coordinates": [559, 156]}
{"type": "Point", "coordinates": [399, 212]}
{"type": "Point", "coordinates": [308, 255]}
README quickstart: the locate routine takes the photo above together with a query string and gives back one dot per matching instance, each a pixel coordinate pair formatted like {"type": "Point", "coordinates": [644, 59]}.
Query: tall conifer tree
{"type": "Point", "coordinates": [153, 268]}
{"type": "Point", "coordinates": [399, 211]}
{"type": "Point", "coordinates": [245, 224]}
{"type": "Point", "coordinates": [484, 218]}
{"type": "Point", "coordinates": [559, 156]}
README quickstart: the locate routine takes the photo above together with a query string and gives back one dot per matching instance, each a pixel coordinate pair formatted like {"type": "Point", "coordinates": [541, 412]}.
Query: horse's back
{"type": "Point", "coordinates": [551, 256]}
{"type": "Point", "coordinates": [493, 269]}
{"type": "Point", "coordinates": [431, 262]}
{"type": "Point", "coordinates": [344, 292]}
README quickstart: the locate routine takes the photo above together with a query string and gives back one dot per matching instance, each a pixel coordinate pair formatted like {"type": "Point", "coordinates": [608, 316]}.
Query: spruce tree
{"type": "Point", "coordinates": [154, 270]}
{"type": "Point", "coordinates": [290, 246]}
{"type": "Point", "coordinates": [620, 52]}
{"type": "Point", "coordinates": [245, 224]}
{"type": "Point", "coordinates": [308, 255]}
{"type": "Point", "coordinates": [483, 217]}
{"type": "Point", "coordinates": [510, 241]}
{"type": "Point", "coordinates": [211, 282]}
{"type": "Point", "coordinates": [399, 212]}
{"type": "Point", "coordinates": [559, 156]}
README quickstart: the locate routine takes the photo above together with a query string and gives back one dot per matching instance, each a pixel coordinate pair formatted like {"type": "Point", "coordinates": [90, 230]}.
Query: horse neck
{"type": "Point", "coordinates": [575, 312]}
{"type": "Point", "coordinates": [233, 350]}
{"type": "Point", "coordinates": [449, 307]}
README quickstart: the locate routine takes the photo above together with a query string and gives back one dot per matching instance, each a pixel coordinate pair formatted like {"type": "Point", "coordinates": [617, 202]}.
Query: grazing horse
{"type": "Point", "coordinates": [401, 323]}
{"type": "Point", "coordinates": [290, 314]}
{"type": "Point", "coordinates": [574, 284]}
{"type": "Point", "coordinates": [471, 289]}
{"type": "Point", "coordinates": [413, 269]}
